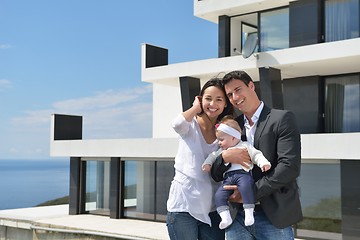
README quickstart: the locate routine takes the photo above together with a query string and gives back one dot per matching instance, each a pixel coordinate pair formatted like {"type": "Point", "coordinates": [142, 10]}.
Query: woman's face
{"type": "Point", "coordinates": [213, 102]}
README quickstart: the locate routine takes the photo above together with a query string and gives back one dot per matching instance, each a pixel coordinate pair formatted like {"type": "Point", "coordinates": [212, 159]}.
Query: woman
{"type": "Point", "coordinates": [191, 209]}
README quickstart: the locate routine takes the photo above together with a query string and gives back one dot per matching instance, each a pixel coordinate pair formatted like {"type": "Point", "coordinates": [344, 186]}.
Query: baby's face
{"type": "Point", "coordinates": [225, 140]}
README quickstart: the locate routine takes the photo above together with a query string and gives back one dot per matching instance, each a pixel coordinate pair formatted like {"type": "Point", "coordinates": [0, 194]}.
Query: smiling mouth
{"type": "Point", "coordinates": [212, 109]}
{"type": "Point", "coordinates": [240, 102]}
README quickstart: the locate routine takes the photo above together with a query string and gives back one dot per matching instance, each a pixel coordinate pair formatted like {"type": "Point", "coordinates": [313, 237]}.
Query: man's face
{"type": "Point", "coordinates": [240, 95]}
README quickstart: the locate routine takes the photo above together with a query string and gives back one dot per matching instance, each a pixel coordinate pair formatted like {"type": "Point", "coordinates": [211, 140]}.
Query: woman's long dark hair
{"type": "Point", "coordinates": [217, 82]}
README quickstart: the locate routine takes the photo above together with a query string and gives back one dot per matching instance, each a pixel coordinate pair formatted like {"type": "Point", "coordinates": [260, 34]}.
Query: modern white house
{"type": "Point", "coordinates": [306, 59]}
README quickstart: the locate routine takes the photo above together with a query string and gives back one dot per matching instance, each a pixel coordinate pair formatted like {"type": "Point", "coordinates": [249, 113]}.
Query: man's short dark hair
{"type": "Point", "coordinates": [238, 75]}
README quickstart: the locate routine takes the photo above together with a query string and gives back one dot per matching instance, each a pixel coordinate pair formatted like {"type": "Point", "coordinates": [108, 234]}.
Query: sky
{"type": "Point", "coordinates": [83, 57]}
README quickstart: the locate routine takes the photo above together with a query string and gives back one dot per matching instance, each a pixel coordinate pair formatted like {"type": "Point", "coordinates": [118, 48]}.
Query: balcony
{"type": "Point", "coordinates": [321, 59]}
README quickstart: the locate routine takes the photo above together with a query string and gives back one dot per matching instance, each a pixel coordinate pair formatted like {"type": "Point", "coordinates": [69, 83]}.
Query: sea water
{"type": "Point", "coordinates": [27, 183]}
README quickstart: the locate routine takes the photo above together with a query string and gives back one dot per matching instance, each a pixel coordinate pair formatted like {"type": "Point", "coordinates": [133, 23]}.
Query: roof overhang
{"type": "Point", "coordinates": [210, 10]}
{"type": "Point", "coordinates": [321, 59]}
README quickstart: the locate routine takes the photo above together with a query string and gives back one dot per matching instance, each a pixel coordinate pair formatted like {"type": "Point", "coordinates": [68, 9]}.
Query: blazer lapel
{"type": "Point", "coordinates": [264, 116]}
{"type": "Point", "coordinates": [240, 120]}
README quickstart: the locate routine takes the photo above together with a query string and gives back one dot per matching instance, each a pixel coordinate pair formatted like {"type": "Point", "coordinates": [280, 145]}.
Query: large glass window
{"type": "Point", "coordinates": [342, 104]}
{"type": "Point", "coordinates": [147, 185]}
{"type": "Point", "coordinates": [341, 19]}
{"type": "Point", "coordinates": [97, 187]}
{"type": "Point", "coordinates": [247, 30]}
{"type": "Point", "coordinates": [130, 188]}
{"type": "Point", "coordinates": [274, 30]}
{"type": "Point", "coordinates": [165, 174]}
{"type": "Point", "coordinates": [241, 27]}
{"type": "Point", "coordinates": [320, 195]}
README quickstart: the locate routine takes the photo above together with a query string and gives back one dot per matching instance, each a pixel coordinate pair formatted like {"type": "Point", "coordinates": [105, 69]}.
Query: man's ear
{"type": "Point", "coordinates": [251, 85]}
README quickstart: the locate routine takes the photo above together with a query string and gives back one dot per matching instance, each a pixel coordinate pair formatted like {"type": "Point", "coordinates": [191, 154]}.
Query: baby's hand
{"type": "Point", "coordinates": [206, 168]}
{"type": "Point", "coordinates": [265, 167]}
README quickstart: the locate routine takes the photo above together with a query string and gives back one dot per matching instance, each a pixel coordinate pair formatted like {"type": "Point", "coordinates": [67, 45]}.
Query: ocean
{"type": "Point", "coordinates": [27, 183]}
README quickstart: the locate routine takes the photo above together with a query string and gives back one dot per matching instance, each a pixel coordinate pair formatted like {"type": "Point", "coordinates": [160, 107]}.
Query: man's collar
{"type": "Point", "coordinates": [257, 113]}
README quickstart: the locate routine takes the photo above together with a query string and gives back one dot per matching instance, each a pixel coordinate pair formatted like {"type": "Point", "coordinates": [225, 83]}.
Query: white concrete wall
{"type": "Point", "coordinates": [318, 59]}
{"type": "Point", "coordinates": [314, 146]}
{"type": "Point", "coordinates": [211, 9]}
{"type": "Point", "coordinates": [166, 105]}
{"type": "Point", "coordinates": [331, 146]}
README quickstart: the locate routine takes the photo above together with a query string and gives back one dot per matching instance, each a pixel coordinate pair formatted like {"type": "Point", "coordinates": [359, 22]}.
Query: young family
{"type": "Point", "coordinates": [258, 174]}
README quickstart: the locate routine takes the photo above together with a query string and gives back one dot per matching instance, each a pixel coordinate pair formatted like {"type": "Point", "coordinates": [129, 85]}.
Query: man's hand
{"type": "Point", "coordinates": [237, 155]}
{"type": "Point", "coordinates": [235, 197]}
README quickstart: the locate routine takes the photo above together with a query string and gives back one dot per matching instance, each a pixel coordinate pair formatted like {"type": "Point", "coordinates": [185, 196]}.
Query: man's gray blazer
{"type": "Point", "coordinates": [278, 137]}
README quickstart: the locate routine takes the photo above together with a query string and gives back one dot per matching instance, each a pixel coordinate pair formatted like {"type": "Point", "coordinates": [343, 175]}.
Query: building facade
{"type": "Point", "coordinates": [306, 59]}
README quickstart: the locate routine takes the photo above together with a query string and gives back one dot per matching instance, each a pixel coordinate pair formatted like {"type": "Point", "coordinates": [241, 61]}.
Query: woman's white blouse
{"type": "Point", "coordinates": [192, 189]}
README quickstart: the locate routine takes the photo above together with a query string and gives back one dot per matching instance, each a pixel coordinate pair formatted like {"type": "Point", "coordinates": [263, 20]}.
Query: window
{"type": "Point", "coordinates": [274, 30]}
{"type": "Point", "coordinates": [147, 185]}
{"type": "Point", "coordinates": [341, 19]}
{"type": "Point", "coordinates": [241, 27]}
{"type": "Point", "coordinates": [247, 30]}
{"type": "Point", "coordinates": [342, 104]}
{"type": "Point", "coordinates": [97, 187]}
{"type": "Point", "coordinates": [321, 204]}
{"type": "Point", "coordinates": [130, 200]}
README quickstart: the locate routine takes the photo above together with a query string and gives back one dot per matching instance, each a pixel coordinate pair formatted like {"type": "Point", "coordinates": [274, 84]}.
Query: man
{"type": "Point", "coordinates": [275, 133]}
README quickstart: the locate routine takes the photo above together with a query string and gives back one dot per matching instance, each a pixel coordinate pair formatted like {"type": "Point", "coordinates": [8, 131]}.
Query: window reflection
{"type": "Point", "coordinates": [274, 29]}
{"type": "Point", "coordinates": [97, 187]}
{"type": "Point", "coordinates": [248, 30]}
{"type": "Point", "coordinates": [241, 27]}
{"type": "Point", "coordinates": [321, 204]}
{"type": "Point", "coordinates": [341, 19]}
{"type": "Point", "coordinates": [147, 185]}
{"type": "Point", "coordinates": [165, 174]}
{"type": "Point", "coordinates": [342, 104]}
{"type": "Point", "coordinates": [139, 189]}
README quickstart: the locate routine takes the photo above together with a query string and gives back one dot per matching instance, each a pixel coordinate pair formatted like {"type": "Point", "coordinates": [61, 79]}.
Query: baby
{"type": "Point", "coordinates": [228, 134]}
